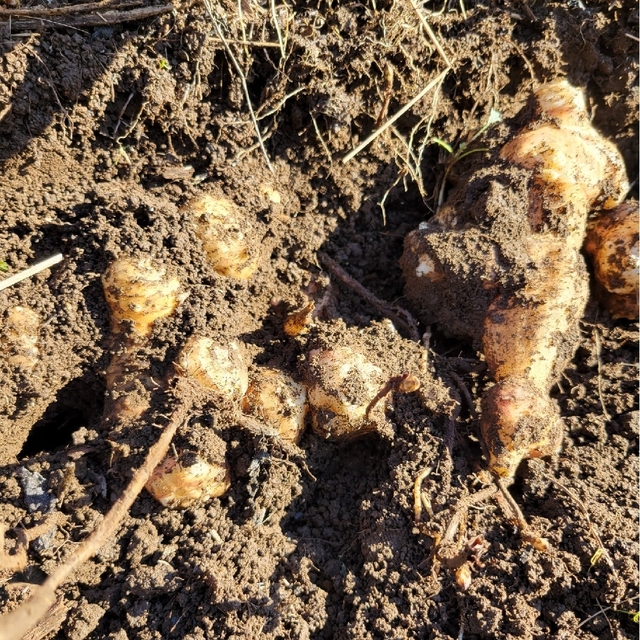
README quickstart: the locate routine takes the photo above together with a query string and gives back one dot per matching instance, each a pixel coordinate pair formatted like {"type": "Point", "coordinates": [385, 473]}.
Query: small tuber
{"type": "Point", "coordinates": [612, 245]}
{"type": "Point", "coordinates": [228, 238]}
{"type": "Point", "coordinates": [278, 401]}
{"type": "Point", "coordinates": [19, 339]}
{"type": "Point", "coordinates": [341, 385]}
{"type": "Point", "coordinates": [221, 369]}
{"type": "Point", "coordinates": [178, 484]}
{"type": "Point", "coordinates": [139, 293]}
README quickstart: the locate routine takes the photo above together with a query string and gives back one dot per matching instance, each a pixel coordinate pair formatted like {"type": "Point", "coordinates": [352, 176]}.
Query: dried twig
{"type": "Point", "coordinates": [31, 271]}
{"type": "Point", "coordinates": [430, 33]}
{"type": "Point", "coordinates": [73, 9]}
{"type": "Point", "coordinates": [16, 624]}
{"type": "Point", "coordinates": [95, 19]}
{"type": "Point", "coordinates": [395, 117]}
{"type": "Point", "coordinates": [243, 80]}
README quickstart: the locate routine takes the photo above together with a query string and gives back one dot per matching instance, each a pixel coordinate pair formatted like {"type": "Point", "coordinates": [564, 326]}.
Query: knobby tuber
{"type": "Point", "coordinates": [178, 484]}
{"type": "Point", "coordinates": [139, 293]}
{"type": "Point", "coordinates": [222, 369]}
{"type": "Point", "coordinates": [228, 237]}
{"type": "Point", "coordinates": [278, 402]}
{"type": "Point", "coordinates": [612, 245]}
{"type": "Point", "coordinates": [19, 339]}
{"type": "Point", "coordinates": [349, 380]}
{"type": "Point", "coordinates": [500, 265]}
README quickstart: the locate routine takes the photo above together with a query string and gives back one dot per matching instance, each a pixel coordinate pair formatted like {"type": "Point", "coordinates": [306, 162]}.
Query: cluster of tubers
{"type": "Point", "coordinates": [501, 265]}
{"type": "Point", "coordinates": [345, 393]}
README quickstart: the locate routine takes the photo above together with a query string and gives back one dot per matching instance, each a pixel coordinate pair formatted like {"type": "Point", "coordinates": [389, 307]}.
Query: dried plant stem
{"type": "Point", "coordinates": [16, 624]}
{"type": "Point", "coordinates": [91, 19]}
{"type": "Point", "coordinates": [430, 33]}
{"type": "Point", "coordinates": [395, 117]}
{"type": "Point", "coordinates": [31, 271]}
{"type": "Point", "coordinates": [243, 81]}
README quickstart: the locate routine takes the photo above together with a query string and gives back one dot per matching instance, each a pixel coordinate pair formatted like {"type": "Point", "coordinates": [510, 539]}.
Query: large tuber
{"type": "Point", "coordinates": [500, 265]}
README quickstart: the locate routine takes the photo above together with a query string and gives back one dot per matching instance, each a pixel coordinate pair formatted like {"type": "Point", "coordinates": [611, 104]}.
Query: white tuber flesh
{"type": "Point", "coordinates": [179, 486]}
{"type": "Point", "coordinates": [218, 368]}
{"type": "Point", "coordinates": [278, 402]}
{"type": "Point", "coordinates": [19, 339]}
{"type": "Point", "coordinates": [341, 385]}
{"type": "Point", "coordinates": [612, 245]}
{"type": "Point", "coordinates": [507, 271]}
{"type": "Point", "coordinates": [226, 234]}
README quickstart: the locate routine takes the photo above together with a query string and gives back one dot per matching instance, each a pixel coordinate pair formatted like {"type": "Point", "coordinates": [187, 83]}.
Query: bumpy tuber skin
{"type": "Point", "coordinates": [179, 485]}
{"type": "Point", "coordinates": [612, 246]}
{"type": "Point", "coordinates": [19, 339]}
{"type": "Point", "coordinates": [139, 293]}
{"type": "Point", "coordinates": [228, 237]}
{"type": "Point", "coordinates": [221, 369]}
{"type": "Point", "coordinates": [278, 402]}
{"type": "Point", "coordinates": [341, 386]}
{"type": "Point", "coordinates": [515, 283]}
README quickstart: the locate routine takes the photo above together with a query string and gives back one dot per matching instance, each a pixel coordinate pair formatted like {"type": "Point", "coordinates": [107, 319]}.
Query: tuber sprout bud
{"type": "Point", "coordinates": [19, 339]}
{"type": "Point", "coordinates": [225, 235]}
{"type": "Point", "coordinates": [277, 401]}
{"type": "Point", "coordinates": [463, 576]}
{"type": "Point", "coordinates": [221, 369]}
{"type": "Point", "coordinates": [179, 486]}
{"type": "Point", "coordinates": [299, 321]}
{"type": "Point", "coordinates": [342, 385]}
{"type": "Point", "coordinates": [612, 244]}
{"type": "Point", "coordinates": [139, 293]}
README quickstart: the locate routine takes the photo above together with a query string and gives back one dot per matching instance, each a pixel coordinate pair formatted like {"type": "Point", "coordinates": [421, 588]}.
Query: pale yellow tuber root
{"type": "Point", "coordinates": [228, 237]}
{"type": "Point", "coordinates": [221, 369]}
{"type": "Point", "coordinates": [341, 385]}
{"type": "Point", "coordinates": [139, 293]}
{"type": "Point", "coordinates": [612, 245]}
{"type": "Point", "coordinates": [178, 484]}
{"type": "Point", "coordinates": [19, 339]}
{"type": "Point", "coordinates": [500, 265]}
{"type": "Point", "coordinates": [278, 402]}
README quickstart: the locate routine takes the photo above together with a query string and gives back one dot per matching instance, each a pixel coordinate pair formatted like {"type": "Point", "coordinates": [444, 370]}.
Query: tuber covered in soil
{"type": "Point", "coordinates": [278, 401]}
{"type": "Point", "coordinates": [139, 293]}
{"type": "Point", "coordinates": [221, 369]}
{"type": "Point", "coordinates": [350, 378]}
{"type": "Point", "coordinates": [229, 238]}
{"type": "Point", "coordinates": [19, 339]}
{"type": "Point", "coordinates": [612, 245]}
{"type": "Point", "coordinates": [500, 265]}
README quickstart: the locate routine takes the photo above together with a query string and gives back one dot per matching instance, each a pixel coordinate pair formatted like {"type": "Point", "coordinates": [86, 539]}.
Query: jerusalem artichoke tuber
{"type": "Point", "coordinates": [228, 238]}
{"type": "Point", "coordinates": [504, 270]}
{"type": "Point", "coordinates": [139, 293]}
{"type": "Point", "coordinates": [278, 401]}
{"type": "Point", "coordinates": [612, 245]}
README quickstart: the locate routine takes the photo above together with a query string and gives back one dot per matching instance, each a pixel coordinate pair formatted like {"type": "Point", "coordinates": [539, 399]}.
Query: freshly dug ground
{"type": "Point", "coordinates": [107, 127]}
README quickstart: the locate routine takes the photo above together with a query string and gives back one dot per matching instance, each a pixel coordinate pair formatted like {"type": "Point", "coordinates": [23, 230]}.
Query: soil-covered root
{"type": "Point", "coordinates": [350, 381]}
{"type": "Point", "coordinates": [139, 293]}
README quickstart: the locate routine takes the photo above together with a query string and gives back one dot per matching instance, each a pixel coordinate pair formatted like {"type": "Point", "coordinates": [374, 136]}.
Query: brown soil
{"type": "Point", "coordinates": [106, 131]}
